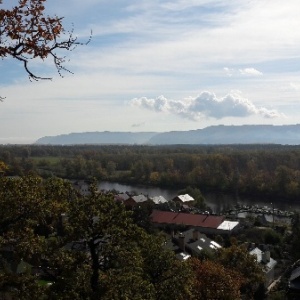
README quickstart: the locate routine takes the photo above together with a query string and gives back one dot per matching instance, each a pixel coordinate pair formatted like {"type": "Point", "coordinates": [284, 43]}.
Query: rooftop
{"type": "Point", "coordinates": [140, 198]}
{"type": "Point", "coordinates": [196, 241]}
{"type": "Point", "coordinates": [159, 200]}
{"type": "Point", "coordinates": [185, 198]}
{"type": "Point", "coordinates": [196, 220]}
{"type": "Point", "coordinates": [270, 264]}
{"type": "Point", "coordinates": [228, 225]}
{"type": "Point", "coordinates": [121, 197]}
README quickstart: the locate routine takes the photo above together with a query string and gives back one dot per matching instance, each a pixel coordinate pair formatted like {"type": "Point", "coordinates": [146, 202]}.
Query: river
{"type": "Point", "coordinates": [216, 201]}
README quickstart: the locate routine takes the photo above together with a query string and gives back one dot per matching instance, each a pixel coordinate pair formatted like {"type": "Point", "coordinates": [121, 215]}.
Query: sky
{"type": "Point", "coordinates": [159, 66]}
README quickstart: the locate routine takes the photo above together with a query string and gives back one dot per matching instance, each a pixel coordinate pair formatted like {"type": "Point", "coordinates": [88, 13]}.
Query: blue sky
{"type": "Point", "coordinates": [160, 66]}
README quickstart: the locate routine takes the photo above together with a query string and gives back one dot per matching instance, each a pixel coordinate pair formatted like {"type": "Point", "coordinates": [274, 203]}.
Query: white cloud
{"type": "Point", "coordinates": [294, 86]}
{"type": "Point", "coordinates": [154, 39]}
{"type": "Point", "coordinates": [251, 72]}
{"type": "Point", "coordinates": [229, 72]}
{"type": "Point", "coordinates": [206, 105]}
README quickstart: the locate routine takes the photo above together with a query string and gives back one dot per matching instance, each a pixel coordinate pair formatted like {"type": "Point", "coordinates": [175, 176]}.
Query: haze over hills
{"type": "Point", "coordinates": [221, 134]}
{"type": "Point", "coordinates": [105, 137]}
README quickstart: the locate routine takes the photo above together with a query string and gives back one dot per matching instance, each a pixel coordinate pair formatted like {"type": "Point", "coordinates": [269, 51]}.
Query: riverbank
{"type": "Point", "coordinates": [267, 214]}
{"type": "Point", "coordinates": [218, 202]}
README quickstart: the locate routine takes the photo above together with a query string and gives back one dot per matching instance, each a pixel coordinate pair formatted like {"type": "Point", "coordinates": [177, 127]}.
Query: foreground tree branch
{"type": "Point", "coordinates": [27, 33]}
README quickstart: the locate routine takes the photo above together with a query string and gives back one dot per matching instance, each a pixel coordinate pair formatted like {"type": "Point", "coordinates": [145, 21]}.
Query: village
{"type": "Point", "coordinates": [189, 232]}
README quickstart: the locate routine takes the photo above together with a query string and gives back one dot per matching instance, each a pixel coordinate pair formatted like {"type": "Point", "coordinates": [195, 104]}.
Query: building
{"type": "Point", "coordinates": [294, 284]}
{"type": "Point", "coordinates": [135, 200]}
{"type": "Point", "coordinates": [267, 262]}
{"type": "Point", "coordinates": [82, 187]}
{"type": "Point", "coordinates": [194, 242]}
{"type": "Point", "coordinates": [121, 197]}
{"type": "Point", "coordinates": [184, 199]}
{"type": "Point", "coordinates": [159, 200]}
{"type": "Point", "coordinates": [130, 201]}
{"type": "Point", "coordinates": [204, 223]}
{"type": "Point", "coordinates": [191, 243]}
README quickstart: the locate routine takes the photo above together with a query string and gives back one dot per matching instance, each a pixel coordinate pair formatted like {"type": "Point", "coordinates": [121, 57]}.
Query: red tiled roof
{"type": "Point", "coordinates": [168, 217]}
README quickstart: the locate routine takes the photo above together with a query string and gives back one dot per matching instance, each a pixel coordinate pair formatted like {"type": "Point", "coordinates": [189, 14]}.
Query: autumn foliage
{"type": "Point", "coordinates": [27, 33]}
{"type": "Point", "coordinates": [214, 281]}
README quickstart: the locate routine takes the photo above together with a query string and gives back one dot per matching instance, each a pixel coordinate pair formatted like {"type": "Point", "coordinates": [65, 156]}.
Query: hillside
{"type": "Point", "coordinates": [245, 134]}
{"type": "Point", "coordinates": [106, 137]}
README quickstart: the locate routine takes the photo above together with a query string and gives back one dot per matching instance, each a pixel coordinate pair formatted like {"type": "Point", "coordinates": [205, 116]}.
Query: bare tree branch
{"type": "Point", "coordinates": [27, 33]}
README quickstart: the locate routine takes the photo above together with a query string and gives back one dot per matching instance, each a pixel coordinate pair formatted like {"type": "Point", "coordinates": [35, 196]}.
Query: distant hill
{"type": "Point", "coordinates": [221, 134]}
{"type": "Point", "coordinates": [105, 137]}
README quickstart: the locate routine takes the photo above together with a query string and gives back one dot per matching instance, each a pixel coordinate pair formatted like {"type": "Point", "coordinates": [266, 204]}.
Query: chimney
{"type": "Point", "coordinates": [265, 257]}
{"type": "Point", "coordinates": [181, 241]}
{"type": "Point", "coordinates": [195, 235]}
{"type": "Point", "coordinates": [172, 233]}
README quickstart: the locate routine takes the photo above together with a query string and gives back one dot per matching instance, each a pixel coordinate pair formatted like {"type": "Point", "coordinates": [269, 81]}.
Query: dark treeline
{"type": "Point", "coordinates": [264, 170]}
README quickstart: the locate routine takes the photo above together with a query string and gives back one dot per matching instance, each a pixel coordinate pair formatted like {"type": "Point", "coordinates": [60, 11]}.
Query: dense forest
{"type": "Point", "coordinates": [264, 170]}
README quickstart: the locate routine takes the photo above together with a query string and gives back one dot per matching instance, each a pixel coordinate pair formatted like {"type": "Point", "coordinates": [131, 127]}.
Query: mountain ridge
{"type": "Point", "coordinates": [217, 134]}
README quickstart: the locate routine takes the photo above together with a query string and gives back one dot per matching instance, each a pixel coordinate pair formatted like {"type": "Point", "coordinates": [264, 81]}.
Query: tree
{"type": "Point", "coordinates": [20, 287]}
{"type": "Point", "coordinates": [3, 167]}
{"type": "Point", "coordinates": [102, 227]}
{"type": "Point", "coordinates": [121, 260]}
{"type": "Point", "coordinates": [100, 253]}
{"type": "Point", "coordinates": [214, 281]}
{"type": "Point", "coordinates": [238, 259]}
{"type": "Point", "coordinates": [29, 209]}
{"type": "Point", "coordinates": [294, 237]}
{"type": "Point", "coordinates": [29, 202]}
{"type": "Point", "coordinates": [169, 277]}
{"type": "Point", "coordinates": [27, 33]}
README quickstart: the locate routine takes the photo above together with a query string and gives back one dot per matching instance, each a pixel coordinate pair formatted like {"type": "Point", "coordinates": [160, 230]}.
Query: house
{"type": "Point", "coordinates": [267, 262]}
{"type": "Point", "coordinates": [194, 242]}
{"type": "Point", "coordinates": [294, 284]}
{"type": "Point", "coordinates": [159, 200]}
{"type": "Point", "coordinates": [180, 255]}
{"type": "Point", "coordinates": [191, 243]}
{"type": "Point", "coordinates": [82, 187]}
{"type": "Point", "coordinates": [121, 197]}
{"type": "Point", "coordinates": [184, 199]}
{"type": "Point", "coordinates": [204, 223]}
{"type": "Point", "coordinates": [227, 227]}
{"type": "Point", "coordinates": [139, 198]}
{"type": "Point", "coordinates": [135, 200]}
{"type": "Point", "coordinates": [183, 256]}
